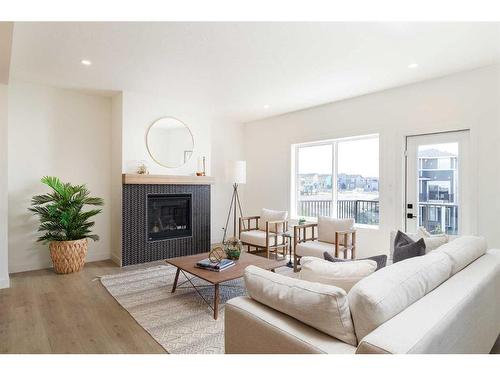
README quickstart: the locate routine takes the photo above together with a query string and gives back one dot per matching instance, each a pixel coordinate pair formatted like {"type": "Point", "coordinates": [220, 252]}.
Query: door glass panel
{"type": "Point", "coordinates": [438, 187]}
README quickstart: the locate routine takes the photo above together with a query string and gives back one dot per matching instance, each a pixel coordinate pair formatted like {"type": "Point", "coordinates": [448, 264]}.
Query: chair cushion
{"type": "Point", "coordinates": [258, 238]}
{"type": "Point", "coordinates": [271, 215]}
{"type": "Point", "coordinates": [343, 275]}
{"type": "Point", "coordinates": [380, 259]}
{"type": "Point", "coordinates": [324, 307]}
{"type": "Point", "coordinates": [405, 247]}
{"type": "Point", "coordinates": [327, 226]}
{"type": "Point", "coordinates": [385, 293]}
{"type": "Point", "coordinates": [314, 249]}
{"type": "Point", "coordinates": [464, 250]}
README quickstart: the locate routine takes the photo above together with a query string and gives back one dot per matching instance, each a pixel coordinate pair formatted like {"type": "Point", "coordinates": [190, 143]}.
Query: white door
{"type": "Point", "coordinates": [439, 184]}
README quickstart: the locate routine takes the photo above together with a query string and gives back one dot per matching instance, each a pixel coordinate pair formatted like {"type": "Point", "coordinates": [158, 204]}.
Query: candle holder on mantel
{"type": "Point", "coordinates": [142, 168]}
{"type": "Point", "coordinates": [203, 173]}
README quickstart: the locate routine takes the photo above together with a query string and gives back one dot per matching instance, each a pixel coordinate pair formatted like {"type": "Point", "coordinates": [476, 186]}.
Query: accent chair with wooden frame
{"type": "Point", "coordinates": [264, 232]}
{"type": "Point", "coordinates": [335, 236]}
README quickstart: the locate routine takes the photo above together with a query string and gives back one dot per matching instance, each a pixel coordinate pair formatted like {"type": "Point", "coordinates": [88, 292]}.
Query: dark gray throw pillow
{"type": "Point", "coordinates": [380, 259]}
{"type": "Point", "coordinates": [405, 247]}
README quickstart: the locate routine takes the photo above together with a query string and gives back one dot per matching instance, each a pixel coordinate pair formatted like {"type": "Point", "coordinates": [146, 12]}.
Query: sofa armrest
{"type": "Point", "coordinates": [445, 321]}
{"type": "Point", "coordinates": [253, 328]}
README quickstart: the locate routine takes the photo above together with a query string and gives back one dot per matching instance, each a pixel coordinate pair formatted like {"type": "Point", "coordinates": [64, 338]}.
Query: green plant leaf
{"type": "Point", "coordinates": [61, 212]}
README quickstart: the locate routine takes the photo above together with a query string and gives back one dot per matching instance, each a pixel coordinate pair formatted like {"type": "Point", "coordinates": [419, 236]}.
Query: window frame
{"type": "Point", "coordinates": [294, 183]}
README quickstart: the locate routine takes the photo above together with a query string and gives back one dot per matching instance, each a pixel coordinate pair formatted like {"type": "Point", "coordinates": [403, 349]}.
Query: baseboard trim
{"type": "Point", "coordinates": [93, 256]}
{"type": "Point", "coordinates": [116, 259]}
{"type": "Point", "coordinates": [97, 256]}
{"type": "Point", "coordinates": [5, 283]}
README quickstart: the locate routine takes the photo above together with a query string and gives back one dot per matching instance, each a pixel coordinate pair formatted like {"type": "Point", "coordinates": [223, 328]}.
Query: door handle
{"type": "Point", "coordinates": [411, 216]}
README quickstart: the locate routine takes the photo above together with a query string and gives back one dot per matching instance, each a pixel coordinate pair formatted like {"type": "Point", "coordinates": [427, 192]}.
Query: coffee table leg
{"type": "Point", "coordinates": [175, 280]}
{"type": "Point", "coordinates": [216, 301]}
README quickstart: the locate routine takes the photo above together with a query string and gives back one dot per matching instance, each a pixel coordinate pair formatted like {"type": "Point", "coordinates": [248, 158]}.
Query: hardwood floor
{"type": "Point", "coordinates": [47, 313]}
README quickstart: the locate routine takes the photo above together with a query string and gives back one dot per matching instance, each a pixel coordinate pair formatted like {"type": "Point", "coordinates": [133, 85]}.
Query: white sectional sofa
{"type": "Point", "coordinates": [447, 301]}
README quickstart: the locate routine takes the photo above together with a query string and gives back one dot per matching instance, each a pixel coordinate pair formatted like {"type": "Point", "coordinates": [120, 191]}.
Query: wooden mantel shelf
{"type": "Point", "coordinates": [155, 179]}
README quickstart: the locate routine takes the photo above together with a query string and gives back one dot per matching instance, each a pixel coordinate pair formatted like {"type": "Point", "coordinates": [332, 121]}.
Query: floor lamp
{"type": "Point", "coordinates": [236, 173]}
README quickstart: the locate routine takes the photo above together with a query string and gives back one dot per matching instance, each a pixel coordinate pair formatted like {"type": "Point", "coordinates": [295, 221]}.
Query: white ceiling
{"type": "Point", "coordinates": [236, 69]}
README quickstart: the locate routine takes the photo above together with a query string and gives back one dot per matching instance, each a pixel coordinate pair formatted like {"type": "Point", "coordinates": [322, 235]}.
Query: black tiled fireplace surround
{"type": "Point", "coordinates": [135, 245]}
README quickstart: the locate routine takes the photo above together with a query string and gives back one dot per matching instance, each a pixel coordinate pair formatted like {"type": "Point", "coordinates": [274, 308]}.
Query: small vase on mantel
{"type": "Point", "coordinates": [142, 168]}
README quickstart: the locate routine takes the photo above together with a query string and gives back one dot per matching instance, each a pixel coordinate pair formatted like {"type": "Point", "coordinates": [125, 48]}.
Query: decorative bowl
{"type": "Point", "coordinates": [233, 248]}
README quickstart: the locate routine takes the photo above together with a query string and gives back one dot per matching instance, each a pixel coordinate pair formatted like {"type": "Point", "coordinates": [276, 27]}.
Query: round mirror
{"type": "Point", "coordinates": [170, 142]}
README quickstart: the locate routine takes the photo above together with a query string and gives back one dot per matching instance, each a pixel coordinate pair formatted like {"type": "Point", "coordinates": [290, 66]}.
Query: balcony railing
{"type": "Point", "coordinates": [362, 211]}
{"type": "Point", "coordinates": [438, 217]}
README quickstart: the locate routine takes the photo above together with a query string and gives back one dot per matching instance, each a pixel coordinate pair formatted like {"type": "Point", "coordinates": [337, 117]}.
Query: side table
{"type": "Point", "coordinates": [290, 237]}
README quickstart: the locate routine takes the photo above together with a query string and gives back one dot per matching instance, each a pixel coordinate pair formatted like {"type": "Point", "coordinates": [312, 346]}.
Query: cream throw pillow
{"type": "Point", "coordinates": [271, 215]}
{"type": "Point", "coordinates": [342, 274]}
{"type": "Point", "coordinates": [327, 226]}
{"type": "Point", "coordinates": [320, 306]}
{"type": "Point", "coordinates": [432, 241]}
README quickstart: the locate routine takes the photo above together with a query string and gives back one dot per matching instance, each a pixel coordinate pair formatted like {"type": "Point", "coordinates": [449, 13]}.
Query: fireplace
{"type": "Point", "coordinates": [164, 217]}
{"type": "Point", "coordinates": [169, 216]}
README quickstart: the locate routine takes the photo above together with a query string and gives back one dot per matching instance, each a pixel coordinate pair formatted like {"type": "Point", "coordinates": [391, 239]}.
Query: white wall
{"type": "Point", "coordinates": [227, 144]}
{"type": "Point", "coordinates": [62, 133]}
{"type": "Point", "coordinates": [4, 252]}
{"type": "Point", "coordinates": [464, 100]}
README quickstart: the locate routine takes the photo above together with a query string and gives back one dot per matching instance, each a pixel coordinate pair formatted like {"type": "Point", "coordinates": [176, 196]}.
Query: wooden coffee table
{"type": "Point", "coordinates": [187, 265]}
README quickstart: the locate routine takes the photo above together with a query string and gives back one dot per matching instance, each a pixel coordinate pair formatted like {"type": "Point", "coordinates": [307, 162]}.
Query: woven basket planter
{"type": "Point", "coordinates": [68, 256]}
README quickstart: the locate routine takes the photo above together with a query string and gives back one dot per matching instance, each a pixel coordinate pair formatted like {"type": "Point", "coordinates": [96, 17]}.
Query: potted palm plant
{"type": "Point", "coordinates": [66, 225]}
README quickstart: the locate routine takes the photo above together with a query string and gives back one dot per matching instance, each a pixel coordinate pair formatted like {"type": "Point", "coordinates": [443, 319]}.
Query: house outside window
{"type": "Point", "coordinates": [438, 181]}
{"type": "Point", "coordinates": [337, 178]}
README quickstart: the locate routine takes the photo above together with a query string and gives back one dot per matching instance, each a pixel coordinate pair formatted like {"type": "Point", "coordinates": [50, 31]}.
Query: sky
{"type": "Point", "coordinates": [359, 156]}
{"type": "Point", "coordinates": [451, 147]}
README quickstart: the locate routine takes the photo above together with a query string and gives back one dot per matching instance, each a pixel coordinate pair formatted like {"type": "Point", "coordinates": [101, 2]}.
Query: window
{"type": "Point", "coordinates": [337, 178]}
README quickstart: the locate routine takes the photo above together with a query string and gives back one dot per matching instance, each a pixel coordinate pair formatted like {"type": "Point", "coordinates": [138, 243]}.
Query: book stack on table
{"type": "Point", "coordinates": [215, 266]}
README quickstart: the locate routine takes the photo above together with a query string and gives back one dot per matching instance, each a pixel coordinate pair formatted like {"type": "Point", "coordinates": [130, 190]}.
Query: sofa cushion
{"type": "Point", "coordinates": [385, 293]}
{"type": "Point", "coordinates": [343, 275]}
{"type": "Point", "coordinates": [380, 259]}
{"type": "Point", "coordinates": [327, 226]}
{"type": "Point", "coordinates": [405, 247]}
{"type": "Point", "coordinates": [258, 237]}
{"type": "Point", "coordinates": [464, 250]}
{"type": "Point", "coordinates": [324, 307]}
{"type": "Point", "coordinates": [271, 215]}
{"type": "Point", "coordinates": [314, 249]}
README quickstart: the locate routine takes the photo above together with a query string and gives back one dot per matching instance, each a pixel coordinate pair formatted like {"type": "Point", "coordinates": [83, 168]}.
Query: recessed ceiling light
{"type": "Point", "coordinates": [266, 106]}
{"type": "Point", "coordinates": [413, 66]}
{"type": "Point", "coordinates": [86, 62]}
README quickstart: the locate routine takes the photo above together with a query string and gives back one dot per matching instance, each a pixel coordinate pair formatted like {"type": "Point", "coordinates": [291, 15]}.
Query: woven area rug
{"type": "Point", "coordinates": [180, 322]}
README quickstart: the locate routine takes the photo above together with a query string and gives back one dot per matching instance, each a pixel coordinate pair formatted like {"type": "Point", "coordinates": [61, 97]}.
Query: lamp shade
{"type": "Point", "coordinates": [236, 172]}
